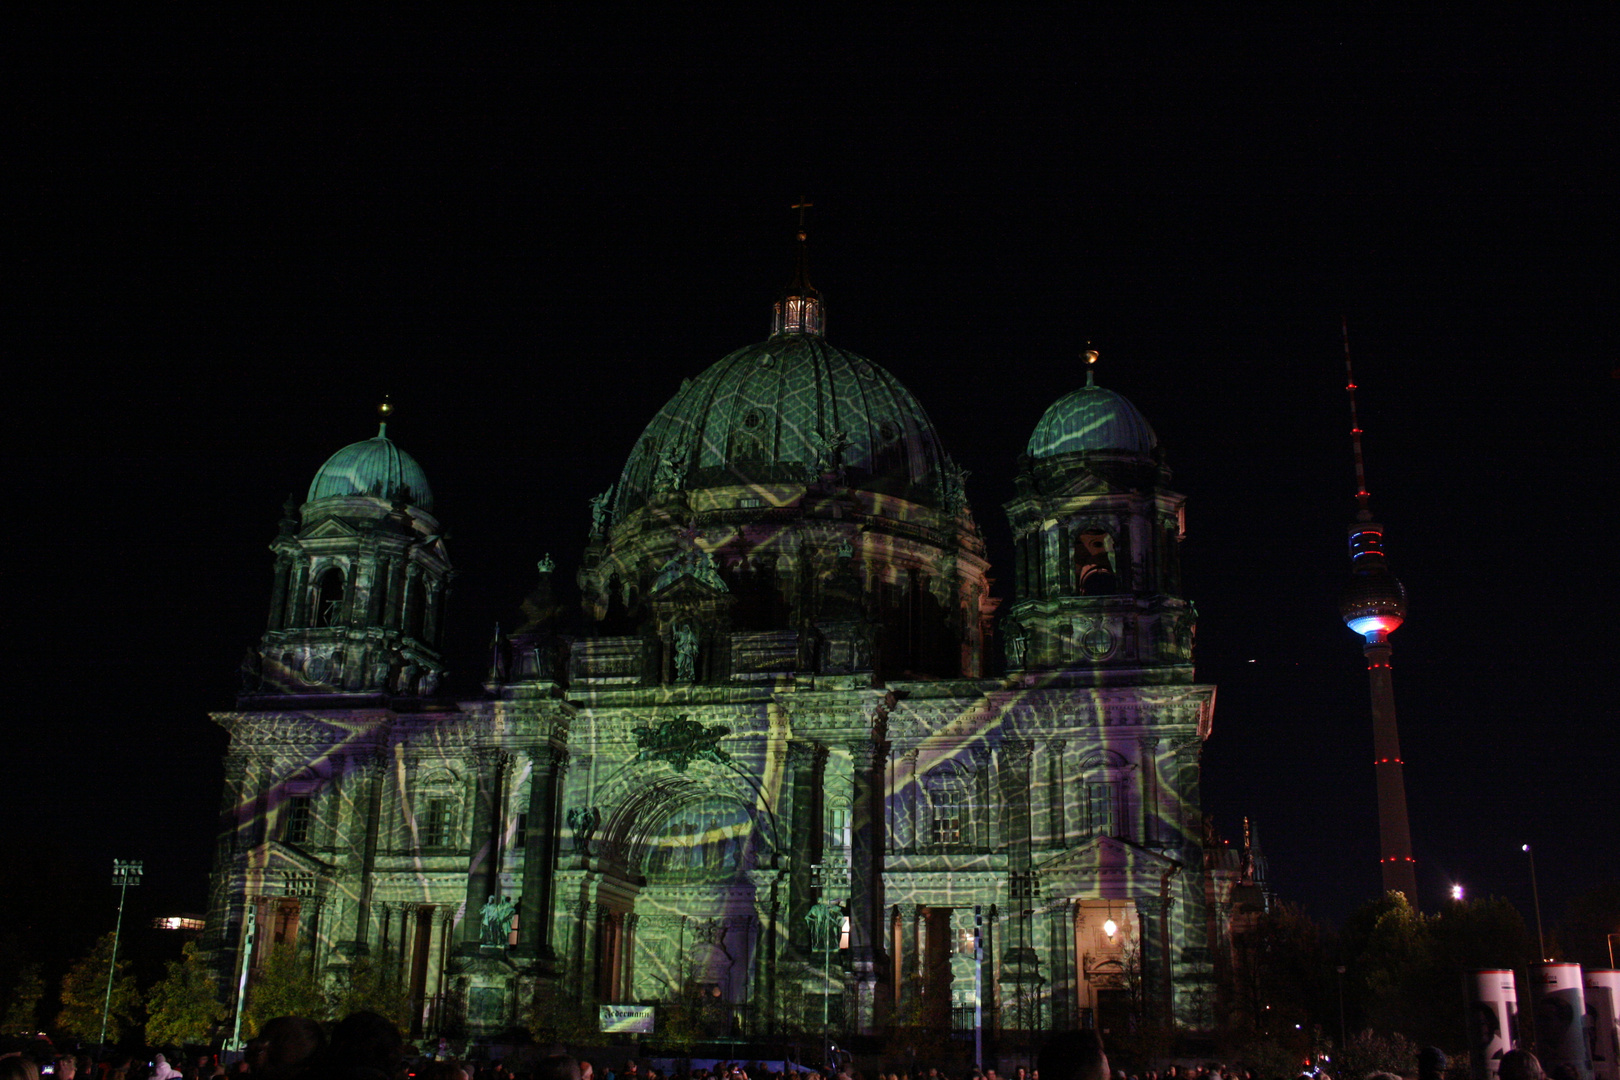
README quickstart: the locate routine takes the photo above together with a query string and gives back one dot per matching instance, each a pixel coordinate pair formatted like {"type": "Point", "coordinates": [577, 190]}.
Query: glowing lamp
{"type": "Point", "coordinates": [1456, 892]}
{"type": "Point", "coordinates": [1110, 927]}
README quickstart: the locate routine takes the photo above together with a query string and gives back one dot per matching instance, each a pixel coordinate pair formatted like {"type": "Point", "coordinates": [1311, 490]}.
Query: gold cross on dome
{"type": "Point", "coordinates": [801, 206]}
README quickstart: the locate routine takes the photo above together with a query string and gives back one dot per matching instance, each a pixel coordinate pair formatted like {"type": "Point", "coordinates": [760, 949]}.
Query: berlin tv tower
{"type": "Point", "coordinates": [1374, 606]}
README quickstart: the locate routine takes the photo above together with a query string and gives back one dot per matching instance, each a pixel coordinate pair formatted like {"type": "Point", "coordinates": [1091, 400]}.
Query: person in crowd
{"type": "Point", "coordinates": [364, 1046]}
{"type": "Point", "coordinates": [1520, 1065]}
{"type": "Point", "coordinates": [1074, 1055]}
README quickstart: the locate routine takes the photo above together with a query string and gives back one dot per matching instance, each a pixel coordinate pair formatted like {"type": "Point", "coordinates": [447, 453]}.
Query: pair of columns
{"type": "Point", "coordinates": [534, 913]}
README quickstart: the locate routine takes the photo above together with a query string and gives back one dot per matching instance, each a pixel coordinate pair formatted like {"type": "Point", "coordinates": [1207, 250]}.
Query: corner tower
{"type": "Point", "coordinates": [361, 577]}
{"type": "Point", "coordinates": [1097, 533]}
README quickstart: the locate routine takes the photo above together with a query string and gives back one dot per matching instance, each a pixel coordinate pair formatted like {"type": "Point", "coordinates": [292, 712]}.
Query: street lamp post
{"type": "Point", "coordinates": [1535, 893]}
{"type": "Point", "coordinates": [1610, 939]}
{"type": "Point", "coordinates": [125, 874]}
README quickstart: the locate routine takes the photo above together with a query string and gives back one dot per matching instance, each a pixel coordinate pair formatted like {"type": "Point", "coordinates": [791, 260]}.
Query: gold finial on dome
{"type": "Point", "coordinates": [385, 409]}
{"type": "Point", "coordinates": [1091, 362]}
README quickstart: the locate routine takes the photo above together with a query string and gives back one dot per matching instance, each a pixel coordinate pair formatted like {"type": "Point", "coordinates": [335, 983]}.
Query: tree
{"type": "Point", "coordinates": [374, 983]}
{"type": "Point", "coordinates": [22, 1003]}
{"type": "Point", "coordinates": [284, 985]}
{"type": "Point", "coordinates": [1370, 1052]}
{"type": "Point", "coordinates": [184, 1006]}
{"type": "Point", "coordinates": [555, 1017]}
{"type": "Point", "coordinates": [84, 991]}
{"type": "Point", "coordinates": [1588, 921]}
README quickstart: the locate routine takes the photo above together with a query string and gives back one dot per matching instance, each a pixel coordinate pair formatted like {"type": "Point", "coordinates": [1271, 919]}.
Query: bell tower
{"type": "Point", "coordinates": [361, 578]}
{"type": "Point", "coordinates": [1097, 532]}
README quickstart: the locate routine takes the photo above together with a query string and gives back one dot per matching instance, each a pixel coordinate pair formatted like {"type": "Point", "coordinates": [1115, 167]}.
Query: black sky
{"type": "Point", "coordinates": [225, 250]}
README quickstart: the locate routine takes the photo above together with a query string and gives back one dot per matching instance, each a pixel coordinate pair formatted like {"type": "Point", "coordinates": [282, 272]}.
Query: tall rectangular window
{"type": "Point", "coordinates": [520, 834]}
{"type": "Point", "coordinates": [1102, 808]}
{"type": "Point", "coordinates": [436, 823]}
{"type": "Point", "coordinates": [947, 819]}
{"type": "Point", "coordinates": [300, 812]}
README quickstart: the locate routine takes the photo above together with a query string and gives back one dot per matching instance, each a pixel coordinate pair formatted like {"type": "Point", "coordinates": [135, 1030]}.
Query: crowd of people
{"type": "Point", "coordinates": [366, 1046]}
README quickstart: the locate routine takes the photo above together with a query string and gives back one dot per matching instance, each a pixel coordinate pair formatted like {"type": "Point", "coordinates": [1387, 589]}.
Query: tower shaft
{"type": "Point", "coordinates": [1394, 833]}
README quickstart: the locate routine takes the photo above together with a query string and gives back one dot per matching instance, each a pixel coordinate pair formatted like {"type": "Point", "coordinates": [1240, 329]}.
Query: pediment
{"type": "Point", "coordinates": [283, 859]}
{"type": "Point", "coordinates": [1106, 855]}
{"type": "Point", "coordinates": [330, 528]}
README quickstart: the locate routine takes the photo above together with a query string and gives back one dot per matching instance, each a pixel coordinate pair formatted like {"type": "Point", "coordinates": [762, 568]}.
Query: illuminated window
{"type": "Point", "coordinates": [1095, 568]}
{"type": "Point", "coordinates": [838, 827]}
{"type": "Point", "coordinates": [329, 598]}
{"type": "Point", "coordinates": [300, 812]}
{"type": "Point", "coordinates": [1102, 808]}
{"type": "Point", "coordinates": [436, 823]}
{"type": "Point", "coordinates": [947, 818]}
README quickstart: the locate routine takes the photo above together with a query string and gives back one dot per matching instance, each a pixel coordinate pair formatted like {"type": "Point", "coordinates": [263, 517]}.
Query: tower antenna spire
{"type": "Point", "coordinates": [1363, 512]}
{"type": "Point", "coordinates": [1374, 606]}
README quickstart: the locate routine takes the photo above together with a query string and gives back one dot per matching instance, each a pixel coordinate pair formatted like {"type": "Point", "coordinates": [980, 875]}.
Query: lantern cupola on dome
{"type": "Point", "coordinates": [374, 467]}
{"type": "Point", "coordinates": [1092, 419]}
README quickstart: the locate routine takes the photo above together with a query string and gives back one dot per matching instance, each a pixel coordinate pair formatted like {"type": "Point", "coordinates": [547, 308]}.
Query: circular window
{"type": "Point", "coordinates": [886, 430]}
{"type": "Point", "coordinates": [752, 419]}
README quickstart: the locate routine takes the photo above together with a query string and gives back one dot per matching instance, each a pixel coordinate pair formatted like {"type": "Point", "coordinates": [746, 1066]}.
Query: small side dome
{"type": "Point", "coordinates": [1089, 419]}
{"type": "Point", "coordinates": [375, 467]}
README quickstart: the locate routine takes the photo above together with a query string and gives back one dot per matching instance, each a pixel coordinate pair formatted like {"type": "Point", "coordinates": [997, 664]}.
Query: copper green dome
{"type": "Point", "coordinates": [1092, 419]}
{"type": "Point", "coordinates": [374, 467]}
{"type": "Point", "coordinates": [789, 409]}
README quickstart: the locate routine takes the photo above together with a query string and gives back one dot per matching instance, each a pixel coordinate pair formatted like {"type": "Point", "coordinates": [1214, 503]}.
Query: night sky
{"type": "Point", "coordinates": [225, 251]}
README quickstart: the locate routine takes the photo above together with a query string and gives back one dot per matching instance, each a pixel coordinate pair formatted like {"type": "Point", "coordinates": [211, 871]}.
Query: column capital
{"type": "Point", "coordinates": [868, 753]}
{"type": "Point", "coordinates": [1153, 906]}
{"type": "Point", "coordinates": [803, 752]}
{"type": "Point", "coordinates": [1015, 749]}
{"type": "Point", "coordinates": [1147, 742]}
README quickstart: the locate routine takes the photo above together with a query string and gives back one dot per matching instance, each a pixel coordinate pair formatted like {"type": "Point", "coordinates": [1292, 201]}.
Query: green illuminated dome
{"type": "Point", "coordinates": [375, 467]}
{"type": "Point", "coordinates": [789, 409]}
{"type": "Point", "coordinates": [1091, 419]}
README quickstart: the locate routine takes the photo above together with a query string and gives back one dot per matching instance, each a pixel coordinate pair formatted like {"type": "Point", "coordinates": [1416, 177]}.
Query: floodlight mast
{"type": "Point", "coordinates": [125, 874]}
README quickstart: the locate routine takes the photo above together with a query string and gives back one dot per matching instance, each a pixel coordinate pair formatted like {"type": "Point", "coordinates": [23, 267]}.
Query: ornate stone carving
{"type": "Point", "coordinates": [680, 742]}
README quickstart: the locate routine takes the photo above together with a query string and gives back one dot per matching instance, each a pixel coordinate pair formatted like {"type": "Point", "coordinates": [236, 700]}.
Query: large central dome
{"type": "Point", "coordinates": [789, 409]}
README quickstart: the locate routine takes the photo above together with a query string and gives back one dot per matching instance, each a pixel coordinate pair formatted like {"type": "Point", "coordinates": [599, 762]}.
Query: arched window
{"type": "Point", "coordinates": [329, 598]}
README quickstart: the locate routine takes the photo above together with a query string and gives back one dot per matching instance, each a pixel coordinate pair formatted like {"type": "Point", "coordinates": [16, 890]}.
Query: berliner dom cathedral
{"type": "Point", "coordinates": [789, 758]}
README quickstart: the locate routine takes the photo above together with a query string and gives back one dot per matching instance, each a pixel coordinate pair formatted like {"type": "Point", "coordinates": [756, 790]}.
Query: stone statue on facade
{"type": "Point", "coordinates": [830, 453]}
{"type": "Point", "coordinates": [826, 924]}
{"type": "Point", "coordinates": [671, 471]}
{"type": "Point", "coordinates": [582, 821]}
{"type": "Point", "coordinates": [600, 514]}
{"type": "Point", "coordinates": [953, 488]}
{"type": "Point", "coordinates": [497, 913]}
{"type": "Point", "coordinates": [686, 650]}
{"type": "Point", "coordinates": [1017, 644]}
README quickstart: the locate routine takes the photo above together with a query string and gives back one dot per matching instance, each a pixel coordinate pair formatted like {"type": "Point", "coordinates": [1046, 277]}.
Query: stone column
{"type": "Point", "coordinates": [410, 624]}
{"type": "Point", "coordinates": [372, 772]}
{"type": "Point", "coordinates": [1154, 953]}
{"type": "Point", "coordinates": [484, 862]}
{"type": "Point", "coordinates": [547, 766]}
{"type": "Point", "coordinates": [1062, 966]}
{"type": "Point", "coordinates": [905, 802]}
{"type": "Point", "coordinates": [298, 602]}
{"type": "Point", "coordinates": [866, 908]}
{"type": "Point", "coordinates": [910, 956]}
{"type": "Point", "coordinates": [808, 763]}
{"type": "Point", "coordinates": [1147, 745]}
{"type": "Point", "coordinates": [278, 592]}
{"type": "Point", "coordinates": [1059, 783]}
{"type": "Point", "coordinates": [1015, 799]}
